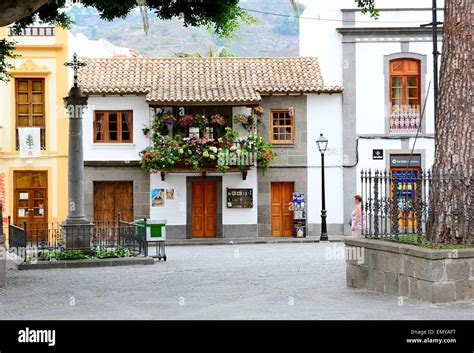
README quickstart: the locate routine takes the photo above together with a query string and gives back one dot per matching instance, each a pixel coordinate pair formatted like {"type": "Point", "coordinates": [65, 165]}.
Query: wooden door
{"type": "Point", "coordinates": [111, 197]}
{"type": "Point", "coordinates": [31, 204]}
{"type": "Point", "coordinates": [204, 209]}
{"type": "Point", "coordinates": [281, 215]}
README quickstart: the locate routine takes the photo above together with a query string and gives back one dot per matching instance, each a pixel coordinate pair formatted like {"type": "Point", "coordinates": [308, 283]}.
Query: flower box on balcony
{"type": "Point", "coordinates": [200, 154]}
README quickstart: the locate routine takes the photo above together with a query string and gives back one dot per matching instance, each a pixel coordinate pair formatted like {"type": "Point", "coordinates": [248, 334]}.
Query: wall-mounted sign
{"type": "Point", "coordinates": [401, 161]}
{"type": "Point", "coordinates": [377, 154]}
{"type": "Point", "coordinates": [157, 197]}
{"type": "Point", "coordinates": [170, 194]}
{"type": "Point", "coordinates": [239, 198]}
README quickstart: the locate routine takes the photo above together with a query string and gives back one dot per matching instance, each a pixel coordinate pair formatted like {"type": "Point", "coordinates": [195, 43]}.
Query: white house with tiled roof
{"type": "Point", "coordinates": [284, 99]}
{"type": "Point", "coordinates": [386, 68]}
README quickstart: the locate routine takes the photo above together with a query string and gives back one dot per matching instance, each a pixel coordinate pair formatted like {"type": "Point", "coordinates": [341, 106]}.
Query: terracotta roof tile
{"type": "Point", "coordinates": [206, 80]}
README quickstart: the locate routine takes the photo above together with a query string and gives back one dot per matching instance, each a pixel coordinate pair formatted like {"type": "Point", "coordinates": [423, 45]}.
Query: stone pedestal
{"type": "Point", "coordinates": [78, 236]}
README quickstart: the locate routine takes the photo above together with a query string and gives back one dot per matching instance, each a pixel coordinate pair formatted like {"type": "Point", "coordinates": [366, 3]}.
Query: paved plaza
{"type": "Point", "coordinates": [258, 281]}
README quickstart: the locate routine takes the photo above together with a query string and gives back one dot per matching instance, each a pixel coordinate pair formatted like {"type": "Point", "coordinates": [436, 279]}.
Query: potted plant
{"type": "Point", "coordinates": [146, 130]}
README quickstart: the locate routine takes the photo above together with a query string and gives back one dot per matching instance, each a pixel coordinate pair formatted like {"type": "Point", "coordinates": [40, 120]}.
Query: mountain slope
{"type": "Point", "coordinates": [271, 36]}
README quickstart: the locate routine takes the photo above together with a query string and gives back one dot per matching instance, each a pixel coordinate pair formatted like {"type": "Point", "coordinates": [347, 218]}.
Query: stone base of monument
{"type": "Point", "coordinates": [436, 276]}
{"type": "Point", "coordinates": [78, 235]}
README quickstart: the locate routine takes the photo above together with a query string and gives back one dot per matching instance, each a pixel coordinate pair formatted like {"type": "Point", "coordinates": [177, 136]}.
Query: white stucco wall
{"type": "Point", "coordinates": [370, 80]}
{"type": "Point", "coordinates": [115, 151]}
{"type": "Point", "coordinates": [319, 37]}
{"type": "Point", "coordinates": [240, 215]}
{"type": "Point", "coordinates": [426, 48]}
{"type": "Point", "coordinates": [174, 211]}
{"type": "Point", "coordinates": [325, 116]}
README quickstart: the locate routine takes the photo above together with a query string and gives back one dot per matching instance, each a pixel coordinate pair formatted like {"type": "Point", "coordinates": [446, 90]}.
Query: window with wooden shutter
{"type": "Point", "coordinates": [281, 126]}
{"type": "Point", "coordinates": [405, 95]}
{"type": "Point", "coordinates": [30, 112]}
{"type": "Point", "coordinates": [113, 126]}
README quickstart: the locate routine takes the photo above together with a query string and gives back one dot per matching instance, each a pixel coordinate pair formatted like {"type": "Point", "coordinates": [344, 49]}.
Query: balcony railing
{"type": "Point", "coordinates": [404, 121]}
{"type": "Point", "coordinates": [34, 31]}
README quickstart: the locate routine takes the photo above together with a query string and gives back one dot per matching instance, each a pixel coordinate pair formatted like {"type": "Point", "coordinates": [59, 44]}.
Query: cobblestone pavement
{"type": "Point", "coordinates": [268, 281]}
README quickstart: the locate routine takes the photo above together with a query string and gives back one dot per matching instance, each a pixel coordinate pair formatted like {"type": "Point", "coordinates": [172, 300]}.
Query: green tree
{"type": "Point", "coordinates": [216, 52]}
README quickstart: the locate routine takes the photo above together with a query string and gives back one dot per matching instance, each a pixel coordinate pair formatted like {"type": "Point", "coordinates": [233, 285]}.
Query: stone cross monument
{"type": "Point", "coordinates": [77, 229]}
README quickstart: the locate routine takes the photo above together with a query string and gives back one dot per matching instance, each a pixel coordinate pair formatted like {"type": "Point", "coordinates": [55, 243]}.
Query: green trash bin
{"type": "Point", "coordinates": [154, 233]}
{"type": "Point", "coordinates": [155, 229]}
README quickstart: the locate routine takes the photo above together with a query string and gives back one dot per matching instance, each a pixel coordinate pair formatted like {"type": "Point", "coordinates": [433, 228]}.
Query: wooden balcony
{"type": "Point", "coordinates": [210, 167]}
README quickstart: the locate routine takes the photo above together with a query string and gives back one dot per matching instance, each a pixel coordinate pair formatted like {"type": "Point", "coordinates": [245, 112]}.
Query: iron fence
{"type": "Point", "coordinates": [17, 237]}
{"type": "Point", "coordinates": [398, 204]}
{"type": "Point", "coordinates": [44, 239]}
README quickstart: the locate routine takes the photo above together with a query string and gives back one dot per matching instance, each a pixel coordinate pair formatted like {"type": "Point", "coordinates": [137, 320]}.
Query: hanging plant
{"type": "Point", "coordinates": [217, 119]}
{"type": "Point", "coordinates": [200, 121]}
{"type": "Point", "coordinates": [169, 119]}
{"type": "Point", "coordinates": [247, 121]}
{"type": "Point", "coordinates": [186, 121]}
{"type": "Point", "coordinates": [259, 111]}
{"type": "Point", "coordinates": [146, 130]}
{"type": "Point", "coordinates": [241, 119]}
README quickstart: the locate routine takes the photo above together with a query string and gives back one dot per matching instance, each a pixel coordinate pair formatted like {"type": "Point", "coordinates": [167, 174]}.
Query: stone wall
{"type": "Point", "coordinates": [118, 171]}
{"type": "Point", "coordinates": [435, 276]}
{"type": "Point", "coordinates": [291, 162]}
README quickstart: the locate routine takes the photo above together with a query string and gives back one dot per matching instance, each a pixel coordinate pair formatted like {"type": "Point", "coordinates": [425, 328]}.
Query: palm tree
{"type": "Point", "coordinates": [216, 52]}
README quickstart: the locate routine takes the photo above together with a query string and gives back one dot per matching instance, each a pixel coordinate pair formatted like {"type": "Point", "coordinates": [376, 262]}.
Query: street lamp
{"type": "Point", "coordinates": [322, 143]}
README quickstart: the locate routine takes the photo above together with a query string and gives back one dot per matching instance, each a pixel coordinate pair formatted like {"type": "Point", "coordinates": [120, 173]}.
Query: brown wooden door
{"type": "Point", "coordinates": [31, 204]}
{"type": "Point", "coordinates": [204, 209]}
{"type": "Point", "coordinates": [281, 215]}
{"type": "Point", "coordinates": [111, 197]}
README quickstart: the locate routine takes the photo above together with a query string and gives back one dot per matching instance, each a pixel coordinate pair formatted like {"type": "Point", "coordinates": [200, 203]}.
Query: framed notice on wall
{"type": "Point", "coordinates": [239, 198]}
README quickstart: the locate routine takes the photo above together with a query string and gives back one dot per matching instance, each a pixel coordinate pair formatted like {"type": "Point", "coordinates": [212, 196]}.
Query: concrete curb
{"type": "Point", "coordinates": [242, 241]}
{"type": "Point", "coordinates": [47, 265]}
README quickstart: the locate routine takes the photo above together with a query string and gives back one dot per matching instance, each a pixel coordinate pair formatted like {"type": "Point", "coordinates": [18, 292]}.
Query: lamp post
{"type": "Point", "coordinates": [322, 144]}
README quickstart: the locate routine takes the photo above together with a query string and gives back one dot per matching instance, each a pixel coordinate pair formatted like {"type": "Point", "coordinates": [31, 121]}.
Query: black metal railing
{"type": "Point", "coordinates": [38, 239]}
{"type": "Point", "coordinates": [17, 238]}
{"type": "Point", "coordinates": [109, 235]}
{"type": "Point", "coordinates": [398, 204]}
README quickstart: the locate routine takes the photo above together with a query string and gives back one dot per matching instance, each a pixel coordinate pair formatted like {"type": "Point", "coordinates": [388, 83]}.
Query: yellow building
{"type": "Point", "coordinates": [33, 187]}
